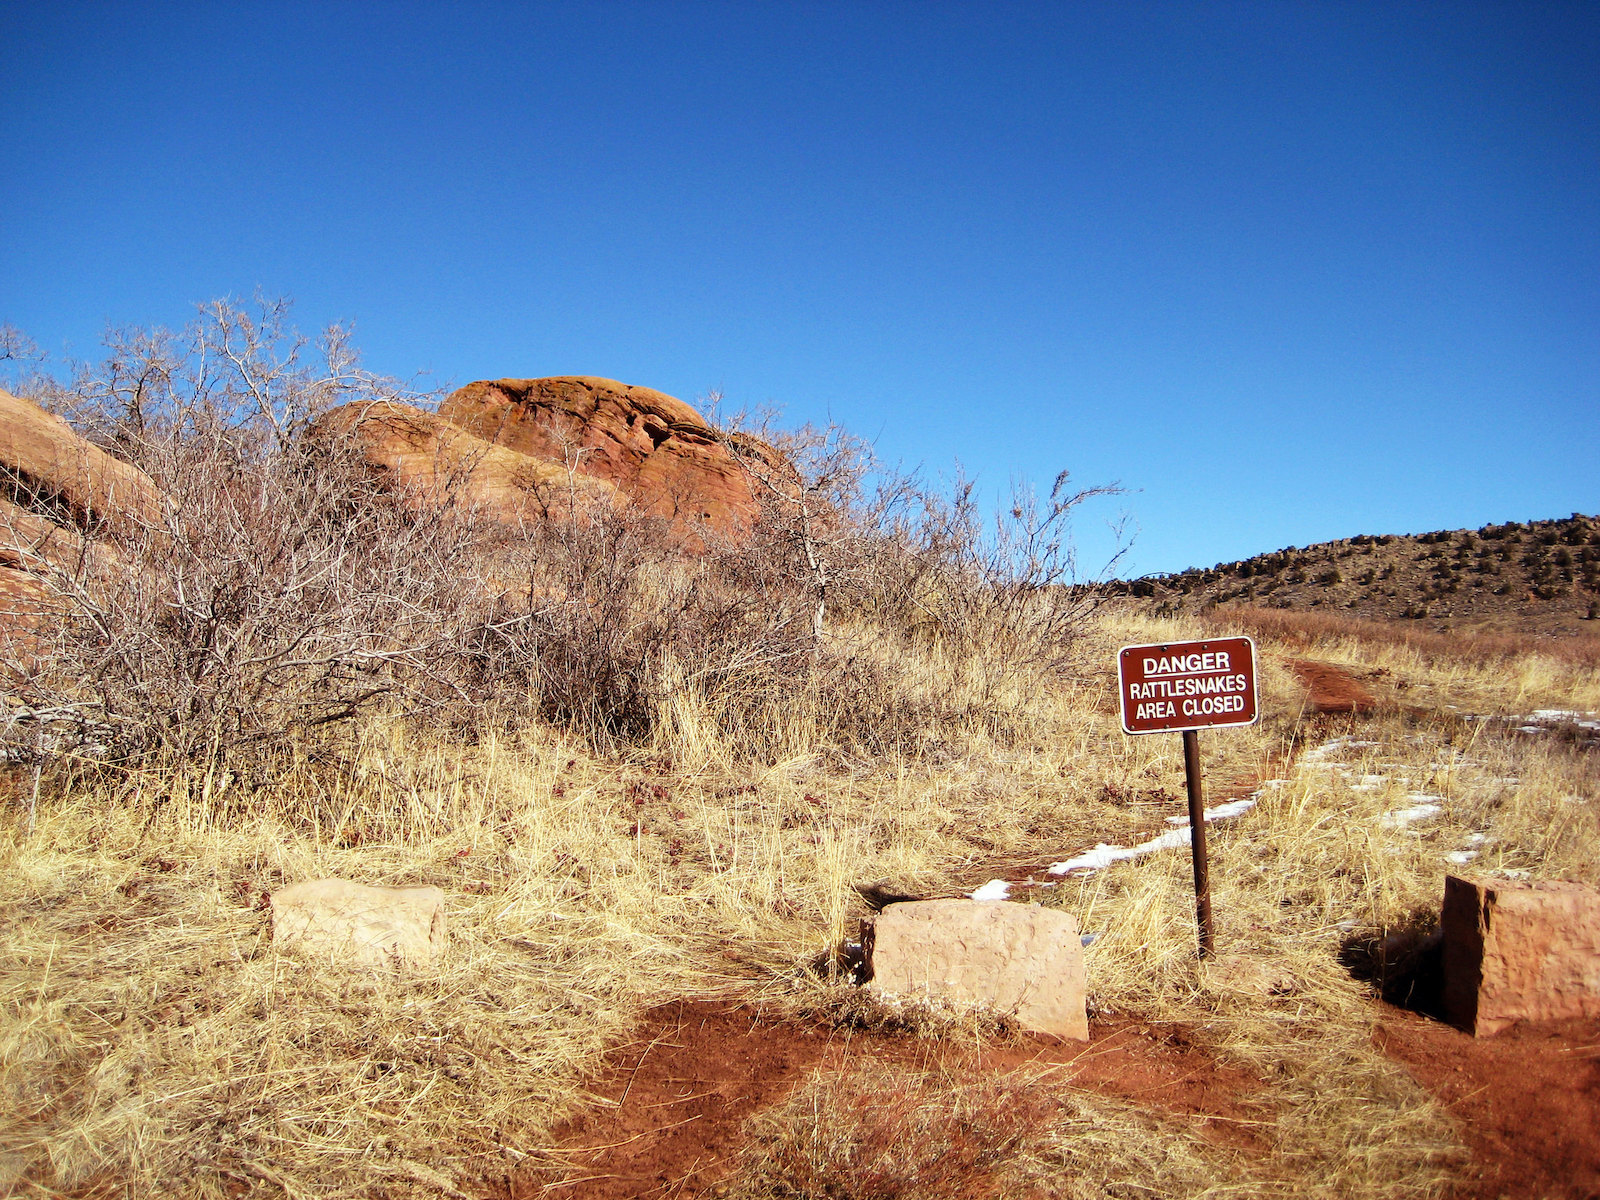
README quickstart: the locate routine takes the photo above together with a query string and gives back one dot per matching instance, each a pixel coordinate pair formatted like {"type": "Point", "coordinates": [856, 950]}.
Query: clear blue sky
{"type": "Point", "coordinates": [1292, 271]}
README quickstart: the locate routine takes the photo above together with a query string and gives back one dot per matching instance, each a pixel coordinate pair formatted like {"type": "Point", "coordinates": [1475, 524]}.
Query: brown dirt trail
{"type": "Point", "coordinates": [672, 1103]}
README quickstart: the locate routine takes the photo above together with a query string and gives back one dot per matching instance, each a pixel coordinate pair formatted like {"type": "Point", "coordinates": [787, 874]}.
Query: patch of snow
{"type": "Point", "coordinates": [1103, 855]}
{"type": "Point", "coordinates": [1580, 719]}
{"type": "Point", "coordinates": [1221, 812]}
{"type": "Point", "coordinates": [995, 889]}
{"type": "Point", "coordinates": [1326, 751]}
{"type": "Point", "coordinates": [1461, 857]}
{"type": "Point", "coordinates": [1402, 817]}
{"type": "Point", "coordinates": [1231, 808]}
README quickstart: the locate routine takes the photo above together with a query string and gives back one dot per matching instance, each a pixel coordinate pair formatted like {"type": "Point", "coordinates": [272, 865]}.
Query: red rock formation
{"type": "Point", "coordinates": [655, 449]}
{"type": "Point", "coordinates": [29, 542]}
{"type": "Point", "coordinates": [49, 468]}
{"type": "Point", "coordinates": [429, 460]}
{"type": "Point", "coordinates": [59, 491]}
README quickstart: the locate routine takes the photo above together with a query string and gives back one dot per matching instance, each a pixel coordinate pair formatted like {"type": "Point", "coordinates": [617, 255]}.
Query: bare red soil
{"type": "Point", "coordinates": [672, 1103]}
{"type": "Point", "coordinates": [1528, 1101]}
{"type": "Point", "coordinates": [670, 1106]}
{"type": "Point", "coordinates": [1332, 689]}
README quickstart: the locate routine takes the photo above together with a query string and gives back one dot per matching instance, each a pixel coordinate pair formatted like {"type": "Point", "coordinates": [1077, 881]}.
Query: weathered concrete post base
{"type": "Point", "coordinates": [1019, 959]}
{"type": "Point", "coordinates": [355, 924]}
{"type": "Point", "coordinates": [1519, 951]}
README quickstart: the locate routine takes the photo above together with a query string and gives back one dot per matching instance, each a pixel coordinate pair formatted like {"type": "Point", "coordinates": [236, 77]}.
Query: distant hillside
{"type": "Point", "coordinates": [1538, 576]}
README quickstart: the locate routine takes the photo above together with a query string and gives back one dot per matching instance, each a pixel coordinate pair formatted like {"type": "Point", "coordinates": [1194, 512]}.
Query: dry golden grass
{"type": "Point", "coordinates": [1291, 627]}
{"type": "Point", "coordinates": [883, 1132]}
{"type": "Point", "coordinates": [153, 1041]}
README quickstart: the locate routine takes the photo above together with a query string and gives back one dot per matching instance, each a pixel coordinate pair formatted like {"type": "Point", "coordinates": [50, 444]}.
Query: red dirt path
{"type": "Point", "coordinates": [1528, 1101]}
{"type": "Point", "coordinates": [1333, 689]}
{"type": "Point", "coordinates": [671, 1107]}
{"type": "Point", "coordinates": [674, 1101]}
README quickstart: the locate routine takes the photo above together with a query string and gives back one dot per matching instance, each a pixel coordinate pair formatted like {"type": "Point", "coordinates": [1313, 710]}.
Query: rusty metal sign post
{"type": "Point", "coordinates": [1183, 687]}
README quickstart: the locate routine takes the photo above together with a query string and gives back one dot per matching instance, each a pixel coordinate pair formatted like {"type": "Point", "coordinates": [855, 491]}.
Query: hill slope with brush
{"type": "Point", "coordinates": [1530, 577]}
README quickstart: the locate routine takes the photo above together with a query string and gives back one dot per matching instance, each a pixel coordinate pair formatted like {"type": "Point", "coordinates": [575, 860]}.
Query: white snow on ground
{"type": "Point", "coordinates": [1325, 752]}
{"type": "Point", "coordinates": [1424, 808]}
{"type": "Point", "coordinates": [1103, 855]}
{"type": "Point", "coordinates": [1544, 720]}
{"type": "Point", "coordinates": [1221, 812]}
{"type": "Point", "coordinates": [1563, 715]}
{"type": "Point", "coordinates": [1334, 755]}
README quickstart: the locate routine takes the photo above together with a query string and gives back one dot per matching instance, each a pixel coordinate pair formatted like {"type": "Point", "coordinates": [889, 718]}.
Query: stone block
{"type": "Point", "coordinates": [1519, 951]}
{"type": "Point", "coordinates": [356, 924]}
{"type": "Point", "coordinates": [1019, 959]}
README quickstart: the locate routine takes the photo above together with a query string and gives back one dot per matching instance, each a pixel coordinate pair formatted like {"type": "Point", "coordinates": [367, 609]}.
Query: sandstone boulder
{"type": "Point", "coordinates": [1020, 959]}
{"type": "Point", "coordinates": [1515, 950]}
{"type": "Point", "coordinates": [25, 604]}
{"type": "Point", "coordinates": [29, 542]}
{"type": "Point", "coordinates": [49, 469]}
{"type": "Point", "coordinates": [430, 460]}
{"type": "Point", "coordinates": [356, 924]}
{"type": "Point", "coordinates": [654, 448]}
{"type": "Point", "coordinates": [57, 492]}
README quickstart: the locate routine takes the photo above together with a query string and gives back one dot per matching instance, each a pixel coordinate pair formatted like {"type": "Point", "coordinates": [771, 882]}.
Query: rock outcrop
{"type": "Point", "coordinates": [50, 470]}
{"type": "Point", "coordinates": [58, 492]}
{"type": "Point", "coordinates": [426, 459]}
{"type": "Point", "coordinates": [1519, 951]}
{"type": "Point", "coordinates": [657, 450]}
{"type": "Point", "coordinates": [1020, 959]}
{"type": "Point", "coordinates": [360, 925]}
{"type": "Point", "coordinates": [25, 604]}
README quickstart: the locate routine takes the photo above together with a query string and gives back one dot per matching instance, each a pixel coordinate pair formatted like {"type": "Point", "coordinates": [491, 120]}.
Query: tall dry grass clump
{"type": "Point", "coordinates": [884, 1132]}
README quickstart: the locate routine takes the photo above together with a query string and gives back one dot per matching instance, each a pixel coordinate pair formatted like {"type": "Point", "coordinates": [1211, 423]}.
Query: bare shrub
{"type": "Point", "coordinates": [871, 543]}
{"type": "Point", "coordinates": [283, 589]}
{"type": "Point", "coordinates": [276, 591]}
{"type": "Point", "coordinates": [848, 571]}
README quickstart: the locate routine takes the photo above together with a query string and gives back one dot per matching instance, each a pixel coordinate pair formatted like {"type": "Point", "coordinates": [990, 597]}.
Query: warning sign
{"type": "Point", "coordinates": [1187, 685]}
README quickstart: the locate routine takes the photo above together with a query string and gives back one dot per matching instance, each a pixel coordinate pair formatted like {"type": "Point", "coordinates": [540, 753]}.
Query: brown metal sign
{"type": "Point", "coordinates": [1167, 688]}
